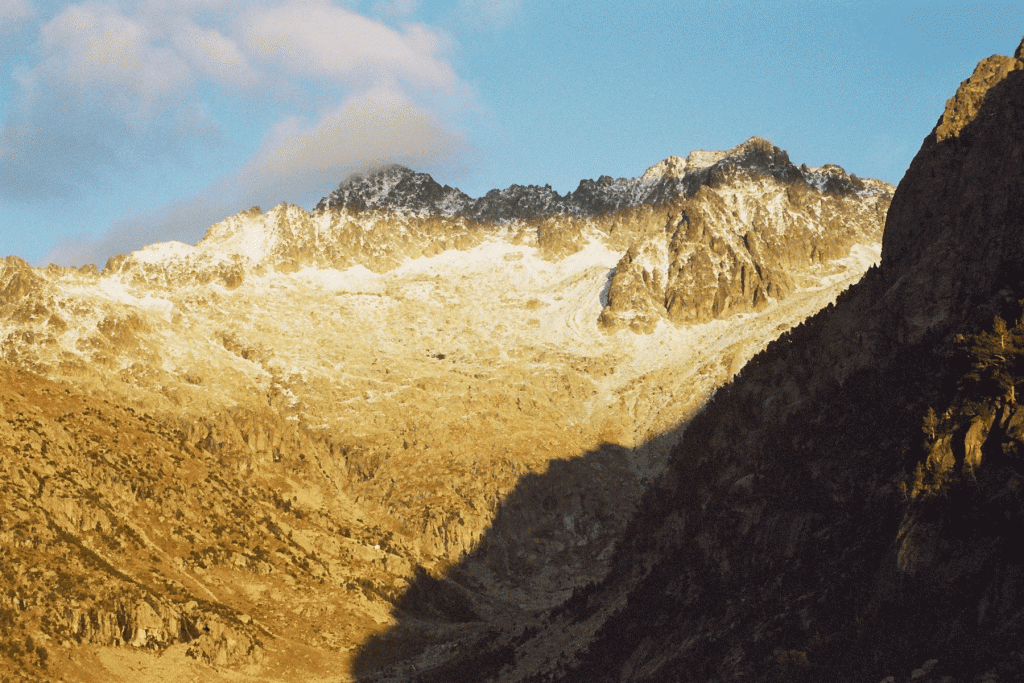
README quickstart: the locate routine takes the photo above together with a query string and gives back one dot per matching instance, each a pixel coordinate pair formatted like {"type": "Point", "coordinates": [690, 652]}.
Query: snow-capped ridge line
{"type": "Point", "coordinates": [383, 219]}
{"type": "Point", "coordinates": [399, 189]}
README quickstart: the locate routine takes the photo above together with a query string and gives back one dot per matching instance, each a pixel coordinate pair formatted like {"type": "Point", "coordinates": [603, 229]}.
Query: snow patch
{"type": "Point", "coordinates": [491, 252]}
{"type": "Point", "coordinates": [333, 280]}
{"type": "Point", "coordinates": [863, 256]}
{"type": "Point", "coordinates": [700, 159]}
{"type": "Point", "coordinates": [115, 290]}
{"type": "Point", "coordinates": [246, 235]}
{"type": "Point", "coordinates": [595, 253]}
{"type": "Point", "coordinates": [163, 251]}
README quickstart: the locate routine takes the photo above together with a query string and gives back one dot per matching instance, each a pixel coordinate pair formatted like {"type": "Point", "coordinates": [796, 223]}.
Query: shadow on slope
{"type": "Point", "coordinates": [552, 538]}
{"type": "Point", "coordinates": [850, 508]}
{"type": "Point", "coordinates": [814, 530]}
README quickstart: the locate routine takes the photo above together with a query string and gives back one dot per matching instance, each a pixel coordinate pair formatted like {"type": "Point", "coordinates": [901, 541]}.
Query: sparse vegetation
{"type": "Point", "coordinates": [995, 361]}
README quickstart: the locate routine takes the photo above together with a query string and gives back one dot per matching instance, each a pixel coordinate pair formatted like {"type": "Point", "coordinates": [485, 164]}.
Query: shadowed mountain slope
{"type": "Point", "coordinates": [851, 507]}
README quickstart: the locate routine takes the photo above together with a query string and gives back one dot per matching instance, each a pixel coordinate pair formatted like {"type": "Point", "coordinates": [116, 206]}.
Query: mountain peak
{"type": "Point", "coordinates": [700, 159]}
{"type": "Point", "coordinates": [671, 167]}
{"type": "Point", "coordinates": [964, 106]}
{"type": "Point", "coordinates": [394, 187]}
{"type": "Point", "coordinates": [401, 190]}
{"type": "Point", "coordinates": [952, 235]}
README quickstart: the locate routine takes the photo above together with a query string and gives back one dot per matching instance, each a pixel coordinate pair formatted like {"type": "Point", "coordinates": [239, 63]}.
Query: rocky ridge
{"type": "Point", "coordinates": [849, 508]}
{"type": "Point", "coordinates": [399, 189]}
{"type": "Point", "coordinates": [364, 398]}
{"type": "Point", "coordinates": [708, 236]}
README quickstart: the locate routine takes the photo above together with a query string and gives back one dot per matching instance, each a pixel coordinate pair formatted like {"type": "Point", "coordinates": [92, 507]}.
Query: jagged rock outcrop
{"type": "Point", "coordinates": [399, 189]}
{"type": "Point", "coordinates": [395, 188]}
{"type": "Point", "coordinates": [751, 230]}
{"type": "Point", "coordinates": [730, 231]}
{"type": "Point", "coordinates": [849, 508]}
{"type": "Point", "coordinates": [85, 494]}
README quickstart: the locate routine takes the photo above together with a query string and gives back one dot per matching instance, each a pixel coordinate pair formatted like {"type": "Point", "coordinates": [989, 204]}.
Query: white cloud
{"type": "Point", "coordinates": [493, 13]}
{"type": "Point", "coordinates": [13, 13]}
{"type": "Point", "coordinates": [214, 54]}
{"type": "Point", "coordinates": [131, 92]}
{"type": "Point", "coordinates": [297, 162]}
{"type": "Point", "coordinates": [140, 60]}
{"type": "Point", "coordinates": [319, 40]}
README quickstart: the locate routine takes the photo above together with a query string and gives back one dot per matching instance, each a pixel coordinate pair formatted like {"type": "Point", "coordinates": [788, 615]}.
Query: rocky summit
{"type": "Point", "coordinates": [358, 442]}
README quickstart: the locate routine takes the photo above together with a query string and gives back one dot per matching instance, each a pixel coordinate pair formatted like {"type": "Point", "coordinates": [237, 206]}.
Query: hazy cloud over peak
{"type": "Point", "coordinates": [126, 94]}
{"type": "Point", "coordinates": [378, 126]}
{"type": "Point", "coordinates": [297, 162]}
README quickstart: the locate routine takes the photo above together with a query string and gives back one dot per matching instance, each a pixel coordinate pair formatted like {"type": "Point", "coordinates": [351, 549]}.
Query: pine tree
{"type": "Point", "coordinates": [930, 424]}
{"type": "Point", "coordinates": [995, 359]}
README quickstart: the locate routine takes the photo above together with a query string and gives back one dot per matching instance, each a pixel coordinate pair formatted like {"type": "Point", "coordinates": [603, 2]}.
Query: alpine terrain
{"type": "Point", "coordinates": [366, 442]}
{"type": "Point", "coordinates": [851, 506]}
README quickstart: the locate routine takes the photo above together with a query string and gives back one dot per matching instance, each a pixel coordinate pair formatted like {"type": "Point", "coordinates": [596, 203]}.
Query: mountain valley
{"type": "Point", "coordinates": [318, 446]}
{"type": "Point", "coordinates": [849, 507]}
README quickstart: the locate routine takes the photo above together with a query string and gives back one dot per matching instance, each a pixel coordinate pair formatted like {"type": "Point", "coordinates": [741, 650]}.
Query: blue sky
{"type": "Point", "coordinates": [126, 122]}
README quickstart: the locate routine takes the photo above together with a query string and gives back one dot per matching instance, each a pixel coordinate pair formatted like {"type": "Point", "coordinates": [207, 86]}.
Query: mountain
{"type": "Point", "coordinates": [257, 452]}
{"type": "Point", "coordinates": [397, 188]}
{"type": "Point", "coordinates": [850, 507]}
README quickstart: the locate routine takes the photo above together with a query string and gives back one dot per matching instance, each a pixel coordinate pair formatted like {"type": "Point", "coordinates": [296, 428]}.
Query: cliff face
{"type": "Point", "coordinates": [86, 488]}
{"type": "Point", "coordinates": [749, 234]}
{"type": "Point", "coordinates": [850, 507]}
{"type": "Point", "coordinates": [705, 237]}
{"type": "Point", "coordinates": [960, 203]}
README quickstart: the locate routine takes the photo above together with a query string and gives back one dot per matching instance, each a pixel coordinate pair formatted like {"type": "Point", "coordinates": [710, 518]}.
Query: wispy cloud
{"type": "Point", "coordinates": [295, 159]}
{"type": "Point", "coordinates": [316, 39]}
{"type": "Point", "coordinates": [213, 54]}
{"type": "Point", "coordinates": [491, 13]}
{"type": "Point", "coordinates": [95, 54]}
{"type": "Point", "coordinates": [123, 92]}
{"type": "Point", "coordinates": [13, 12]}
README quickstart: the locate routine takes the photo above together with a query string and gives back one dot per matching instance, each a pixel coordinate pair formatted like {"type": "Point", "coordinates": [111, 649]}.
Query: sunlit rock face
{"type": "Point", "coordinates": [849, 508]}
{"type": "Point", "coordinates": [307, 426]}
{"type": "Point", "coordinates": [749, 234]}
{"type": "Point", "coordinates": [707, 236]}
